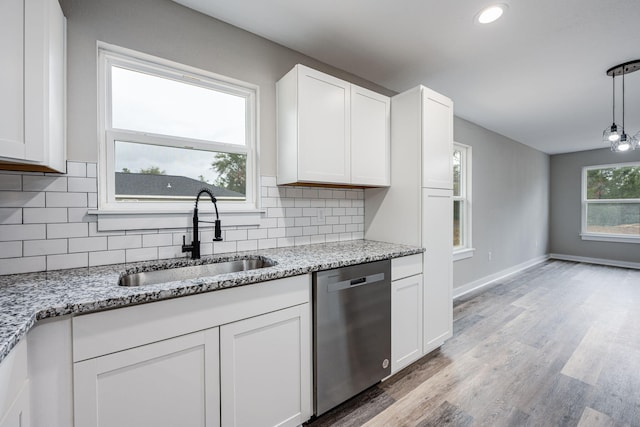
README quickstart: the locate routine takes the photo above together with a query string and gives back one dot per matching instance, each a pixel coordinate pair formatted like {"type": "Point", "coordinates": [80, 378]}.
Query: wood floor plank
{"type": "Point", "coordinates": [558, 344]}
{"type": "Point", "coordinates": [592, 418]}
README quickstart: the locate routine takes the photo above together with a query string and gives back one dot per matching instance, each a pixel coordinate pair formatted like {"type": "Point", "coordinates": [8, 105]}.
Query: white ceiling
{"type": "Point", "coordinates": [537, 75]}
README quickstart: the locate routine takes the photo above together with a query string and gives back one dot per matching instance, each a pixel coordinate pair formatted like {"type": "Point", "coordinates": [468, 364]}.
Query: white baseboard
{"type": "Point", "coordinates": [487, 280]}
{"type": "Point", "coordinates": [601, 261]}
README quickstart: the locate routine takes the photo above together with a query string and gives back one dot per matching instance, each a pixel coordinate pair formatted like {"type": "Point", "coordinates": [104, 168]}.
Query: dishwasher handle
{"type": "Point", "coordinates": [352, 283]}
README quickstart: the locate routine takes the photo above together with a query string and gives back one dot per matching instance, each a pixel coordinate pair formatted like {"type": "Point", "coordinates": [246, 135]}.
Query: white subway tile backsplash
{"type": "Point", "coordinates": [92, 200]}
{"type": "Point", "coordinates": [165, 252]}
{"type": "Point", "coordinates": [44, 215]}
{"type": "Point", "coordinates": [88, 244]}
{"type": "Point", "coordinates": [302, 221]}
{"type": "Point", "coordinates": [92, 170]}
{"type": "Point", "coordinates": [310, 193]}
{"type": "Point", "coordinates": [275, 233]}
{"type": "Point", "coordinates": [59, 233]}
{"type": "Point", "coordinates": [66, 200]}
{"type": "Point", "coordinates": [44, 183]}
{"type": "Point", "coordinates": [247, 245]}
{"type": "Point", "coordinates": [302, 240]}
{"type": "Point", "coordinates": [80, 215]}
{"type": "Point", "coordinates": [10, 216]}
{"type": "Point", "coordinates": [11, 249]}
{"type": "Point", "coordinates": [267, 243]}
{"type": "Point", "coordinates": [76, 169]}
{"type": "Point", "coordinates": [22, 232]}
{"type": "Point", "coordinates": [23, 265]}
{"type": "Point", "coordinates": [141, 254]}
{"type": "Point", "coordinates": [233, 235]}
{"type": "Point", "coordinates": [106, 258]}
{"type": "Point", "coordinates": [45, 247]}
{"type": "Point", "coordinates": [163, 239]}
{"type": "Point", "coordinates": [293, 231]}
{"type": "Point", "coordinates": [293, 212]}
{"type": "Point", "coordinates": [71, 229]}
{"type": "Point", "coordinates": [79, 185]}
{"type": "Point", "coordinates": [260, 233]}
{"type": "Point", "coordinates": [224, 247]}
{"type": "Point", "coordinates": [284, 242]}
{"type": "Point", "coordinates": [21, 199]}
{"type": "Point", "coordinates": [318, 238]}
{"type": "Point", "coordinates": [124, 242]}
{"type": "Point", "coordinates": [57, 262]}
{"type": "Point", "coordinates": [293, 192]}
{"type": "Point", "coordinates": [11, 182]}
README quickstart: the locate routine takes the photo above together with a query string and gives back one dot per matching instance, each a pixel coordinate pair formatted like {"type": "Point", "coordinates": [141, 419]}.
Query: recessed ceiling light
{"type": "Point", "coordinates": [491, 13]}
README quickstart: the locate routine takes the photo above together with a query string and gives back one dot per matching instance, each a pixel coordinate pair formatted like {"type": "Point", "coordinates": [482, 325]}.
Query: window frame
{"type": "Point", "coordinates": [466, 250]}
{"type": "Point", "coordinates": [603, 237]}
{"type": "Point", "coordinates": [108, 56]}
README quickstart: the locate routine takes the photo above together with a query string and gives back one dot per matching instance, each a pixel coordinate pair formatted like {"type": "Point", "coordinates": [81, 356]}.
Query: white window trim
{"type": "Point", "coordinates": [603, 237]}
{"type": "Point", "coordinates": [120, 216]}
{"type": "Point", "coordinates": [466, 251]}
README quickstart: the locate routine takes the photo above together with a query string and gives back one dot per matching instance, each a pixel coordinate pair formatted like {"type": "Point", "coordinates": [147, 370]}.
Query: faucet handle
{"type": "Point", "coordinates": [218, 231]}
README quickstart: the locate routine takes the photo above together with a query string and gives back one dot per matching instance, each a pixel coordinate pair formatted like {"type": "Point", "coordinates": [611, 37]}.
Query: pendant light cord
{"type": "Point", "coordinates": [623, 100]}
{"type": "Point", "coordinates": [613, 85]}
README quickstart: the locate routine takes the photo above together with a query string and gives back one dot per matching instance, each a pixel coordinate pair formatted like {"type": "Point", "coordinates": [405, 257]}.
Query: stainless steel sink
{"type": "Point", "coordinates": [193, 271]}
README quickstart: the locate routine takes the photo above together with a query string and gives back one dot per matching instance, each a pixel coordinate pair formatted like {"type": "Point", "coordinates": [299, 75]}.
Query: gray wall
{"type": "Point", "coordinates": [566, 207]}
{"type": "Point", "coordinates": [168, 30]}
{"type": "Point", "coordinates": [510, 203]}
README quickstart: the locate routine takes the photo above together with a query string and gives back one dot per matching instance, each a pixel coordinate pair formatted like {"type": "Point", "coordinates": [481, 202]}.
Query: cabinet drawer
{"type": "Point", "coordinates": [406, 266]}
{"type": "Point", "coordinates": [106, 332]}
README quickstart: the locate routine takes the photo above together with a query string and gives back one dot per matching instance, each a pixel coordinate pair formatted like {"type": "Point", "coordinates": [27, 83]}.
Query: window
{"type": "Point", "coordinates": [462, 202]}
{"type": "Point", "coordinates": [611, 202]}
{"type": "Point", "coordinates": [167, 130]}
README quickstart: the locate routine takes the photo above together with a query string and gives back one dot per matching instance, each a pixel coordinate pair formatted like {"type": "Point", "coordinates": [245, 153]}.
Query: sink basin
{"type": "Point", "coordinates": [193, 271]}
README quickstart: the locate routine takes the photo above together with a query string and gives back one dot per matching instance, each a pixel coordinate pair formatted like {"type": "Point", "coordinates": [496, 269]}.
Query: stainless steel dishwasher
{"type": "Point", "coordinates": [352, 331]}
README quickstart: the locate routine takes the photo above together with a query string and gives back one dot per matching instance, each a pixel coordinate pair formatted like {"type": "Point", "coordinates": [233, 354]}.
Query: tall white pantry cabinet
{"type": "Point", "coordinates": [418, 208]}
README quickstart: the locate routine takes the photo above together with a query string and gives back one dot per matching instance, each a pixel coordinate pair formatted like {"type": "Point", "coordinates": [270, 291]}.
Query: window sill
{"type": "Point", "coordinates": [109, 220]}
{"type": "Point", "coordinates": [463, 253]}
{"type": "Point", "coordinates": [618, 238]}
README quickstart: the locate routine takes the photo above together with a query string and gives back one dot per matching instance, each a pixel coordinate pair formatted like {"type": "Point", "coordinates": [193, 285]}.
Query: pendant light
{"type": "Point", "coordinates": [615, 135]}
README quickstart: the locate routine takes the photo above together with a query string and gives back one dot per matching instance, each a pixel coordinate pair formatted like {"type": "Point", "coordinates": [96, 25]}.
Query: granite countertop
{"type": "Point", "coordinates": [27, 298]}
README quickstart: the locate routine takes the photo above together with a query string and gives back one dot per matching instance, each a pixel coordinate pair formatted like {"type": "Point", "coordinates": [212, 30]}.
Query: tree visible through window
{"type": "Point", "coordinates": [611, 200]}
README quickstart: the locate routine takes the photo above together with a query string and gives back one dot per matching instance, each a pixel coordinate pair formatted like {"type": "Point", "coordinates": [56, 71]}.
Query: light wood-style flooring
{"type": "Point", "coordinates": [556, 345]}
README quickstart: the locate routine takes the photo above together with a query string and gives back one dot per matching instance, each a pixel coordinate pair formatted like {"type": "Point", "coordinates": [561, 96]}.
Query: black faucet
{"type": "Point", "coordinates": [194, 247]}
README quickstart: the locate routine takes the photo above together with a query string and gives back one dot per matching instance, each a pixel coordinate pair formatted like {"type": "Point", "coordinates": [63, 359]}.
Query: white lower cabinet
{"type": "Point", "coordinates": [406, 321]}
{"type": "Point", "coordinates": [234, 357]}
{"type": "Point", "coordinates": [14, 388]}
{"type": "Point", "coordinates": [265, 365]}
{"type": "Point", "coordinates": [169, 383]}
{"type": "Point", "coordinates": [406, 311]}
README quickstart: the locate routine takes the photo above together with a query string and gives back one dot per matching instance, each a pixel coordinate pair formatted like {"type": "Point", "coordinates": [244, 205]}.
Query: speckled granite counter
{"type": "Point", "coordinates": [27, 298]}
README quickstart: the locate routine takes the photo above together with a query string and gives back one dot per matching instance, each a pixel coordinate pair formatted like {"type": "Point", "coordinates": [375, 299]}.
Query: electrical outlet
{"type": "Point", "coordinates": [320, 215]}
{"type": "Point", "coordinates": [490, 255]}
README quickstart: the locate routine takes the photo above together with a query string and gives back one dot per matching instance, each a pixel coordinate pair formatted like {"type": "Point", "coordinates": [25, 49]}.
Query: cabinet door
{"type": "Point", "coordinates": [11, 79]}
{"type": "Point", "coordinates": [406, 321]}
{"type": "Point", "coordinates": [370, 136]}
{"type": "Point", "coordinates": [437, 238]}
{"type": "Point", "coordinates": [265, 365]}
{"type": "Point", "coordinates": [323, 127]}
{"type": "Point", "coordinates": [18, 413]}
{"type": "Point", "coordinates": [437, 140]}
{"type": "Point", "coordinates": [168, 383]}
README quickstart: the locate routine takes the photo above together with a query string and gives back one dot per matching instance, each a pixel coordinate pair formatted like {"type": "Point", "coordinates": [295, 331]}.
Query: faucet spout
{"type": "Point", "coordinates": [194, 248]}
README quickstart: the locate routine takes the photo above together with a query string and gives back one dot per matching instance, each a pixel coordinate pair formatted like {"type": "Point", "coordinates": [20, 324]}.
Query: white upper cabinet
{"type": "Point", "coordinates": [330, 131]}
{"type": "Point", "coordinates": [32, 83]}
{"type": "Point", "coordinates": [437, 135]}
{"type": "Point", "coordinates": [370, 136]}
